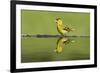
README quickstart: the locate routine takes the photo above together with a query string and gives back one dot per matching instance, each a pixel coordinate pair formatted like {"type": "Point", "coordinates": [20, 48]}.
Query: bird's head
{"type": "Point", "coordinates": [58, 21]}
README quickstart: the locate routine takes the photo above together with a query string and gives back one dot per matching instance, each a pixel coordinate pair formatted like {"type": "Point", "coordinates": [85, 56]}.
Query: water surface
{"type": "Point", "coordinates": [54, 49]}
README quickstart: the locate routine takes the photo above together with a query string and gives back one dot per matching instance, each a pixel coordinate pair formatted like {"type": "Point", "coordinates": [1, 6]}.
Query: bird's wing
{"type": "Point", "coordinates": [67, 28]}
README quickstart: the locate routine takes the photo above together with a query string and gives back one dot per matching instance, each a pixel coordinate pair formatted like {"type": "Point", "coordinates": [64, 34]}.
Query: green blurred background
{"type": "Point", "coordinates": [43, 22]}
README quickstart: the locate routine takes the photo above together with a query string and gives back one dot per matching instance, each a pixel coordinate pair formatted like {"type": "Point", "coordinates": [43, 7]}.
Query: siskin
{"type": "Point", "coordinates": [62, 29]}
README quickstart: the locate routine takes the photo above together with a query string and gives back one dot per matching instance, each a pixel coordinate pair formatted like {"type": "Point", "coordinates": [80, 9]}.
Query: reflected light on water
{"type": "Point", "coordinates": [61, 42]}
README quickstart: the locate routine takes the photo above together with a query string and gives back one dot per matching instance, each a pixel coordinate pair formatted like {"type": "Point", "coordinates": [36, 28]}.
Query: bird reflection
{"type": "Point", "coordinates": [61, 42]}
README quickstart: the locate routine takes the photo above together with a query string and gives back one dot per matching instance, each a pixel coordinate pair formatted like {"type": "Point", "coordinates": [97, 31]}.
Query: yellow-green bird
{"type": "Point", "coordinates": [62, 29]}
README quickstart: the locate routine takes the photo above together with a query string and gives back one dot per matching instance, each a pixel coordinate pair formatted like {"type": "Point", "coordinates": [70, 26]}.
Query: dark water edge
{"type": "Point", "coordinates": [46, 36]}
{"type": "Point", "coordinates": [56, 61]}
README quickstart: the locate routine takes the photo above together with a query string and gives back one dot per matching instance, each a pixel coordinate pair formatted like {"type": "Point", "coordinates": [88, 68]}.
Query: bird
{"type": "Point", "coordinates": [62, 29]}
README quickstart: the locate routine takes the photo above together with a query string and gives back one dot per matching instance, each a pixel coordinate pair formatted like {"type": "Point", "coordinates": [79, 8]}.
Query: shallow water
{"type": "Point", "coordinates": [54, 49]}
